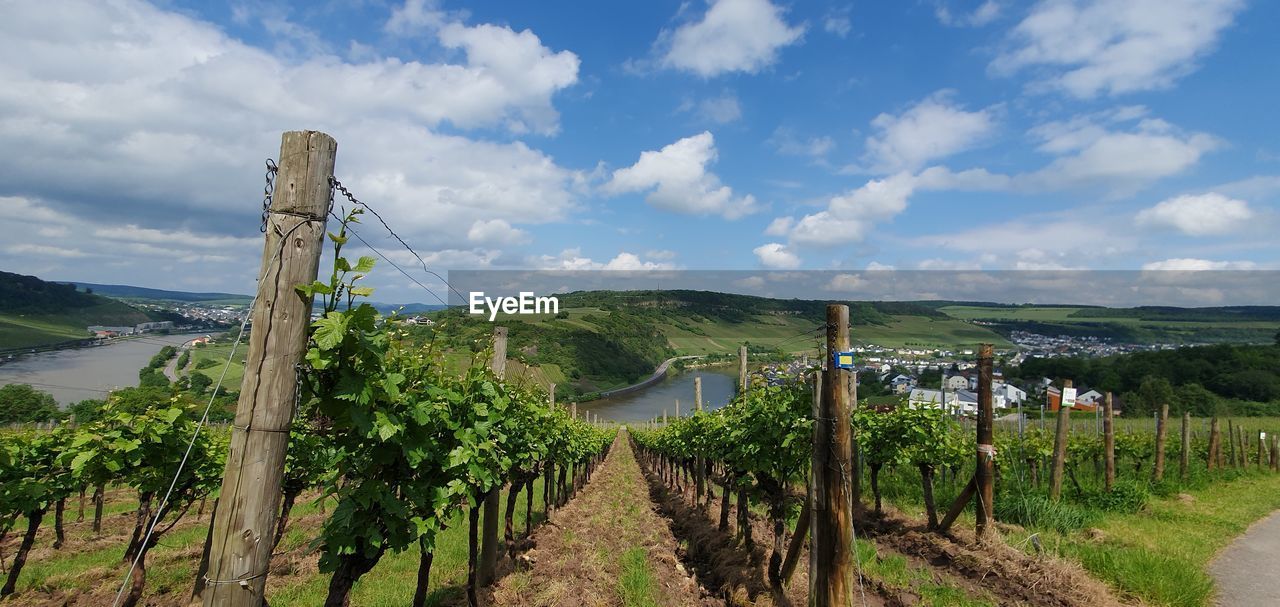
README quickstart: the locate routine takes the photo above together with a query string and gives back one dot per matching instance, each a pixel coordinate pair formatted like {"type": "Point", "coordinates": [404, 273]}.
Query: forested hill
{"type": "Point", "coordinates": [730, 307]}
{"type": "Point", "coordinates": [1206, 380]}
{"type": "Point", "coordinates": [36, 312]}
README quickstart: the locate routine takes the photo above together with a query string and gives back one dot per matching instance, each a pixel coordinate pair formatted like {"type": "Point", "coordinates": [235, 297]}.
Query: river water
{"type": "Point", "coordinates": [74, 375]}
{"type": "Point", "coordinates": [718, 387]}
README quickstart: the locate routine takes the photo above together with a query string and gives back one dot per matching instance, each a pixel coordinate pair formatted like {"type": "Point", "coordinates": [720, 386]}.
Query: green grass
{"type": "Point", "coordinates": [218, 353]}
{"type": "Point", "coordinates": [635, 583]}
{"type": "Point", "coordinates": [391, 583]}
{"type": "Point", "coordinates": [26, 330]}
{"type": "Point", "coordinates": [896, 572]}
{"type": "Point", "coordinates": [1160, 555]}
{"type": "Point", "coordinates": [23, 331]}
{"type": "Point", "coordinates": [925, 332]}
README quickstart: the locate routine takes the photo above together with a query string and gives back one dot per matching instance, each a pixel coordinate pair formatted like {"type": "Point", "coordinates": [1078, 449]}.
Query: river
{"type": "Point", "coordinates": [718, 387]}
{"type": "Point", "coordinates": [74, 375]}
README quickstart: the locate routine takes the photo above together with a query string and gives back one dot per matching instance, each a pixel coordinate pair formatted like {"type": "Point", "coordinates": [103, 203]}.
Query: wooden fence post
{"type": "Point", "coordinates": [831, 575]}
{"type": "Point", "coordinates": [1261, 450]}
{"type": "Point", "coordinates": [1162, 428]}
{"type": "Point", "coordinates": [984, 474]}
{"type": "Point", "coordinates": [1243, 458]}
{"type": "Point", "coordinates": [1108, 442]}
{"type": "Point", "coordinates": [699, 464]}
{"type": "Point", "coordinates": [742, 368]}
{"type": "Point", "coordinates": [1215, 444]}
{"type": "Point", "coordinates": [1184, 458]}
{"type": "Point", "coordinates": [250, 497]}
{"type": "Point", "coordinates": [1060, 447]}
{"type": "Point", "coordinates": [489, 535]}
{"type": "Point", "coordinates": [1231, 444]}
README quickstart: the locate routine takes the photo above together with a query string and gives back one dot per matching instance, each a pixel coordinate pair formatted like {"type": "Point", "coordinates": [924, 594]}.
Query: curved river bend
{"type": "Point", "coordinates": [81, 373]}
{"type": "Point", "coordinates": [718, 387]}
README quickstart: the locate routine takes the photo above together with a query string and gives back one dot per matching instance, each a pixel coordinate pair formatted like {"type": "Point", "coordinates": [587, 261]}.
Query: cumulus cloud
{"type": "Point", "coordinates": [495, 231]}
{"type": "Point", "coordinates": [108, 104]}
{"type": "Point", "coordinates": [1185, 264]}
{"type": "Point", "coordinates": [1097, 153]}
{"type": "Point", "coordinates": [733, 36]}
{"type": "Point", "coordinates": [845, 283]}
{"type": "Point", "coordinates": [850, 217]}
{"type": "Point", "coordinates": [931, 129]}
{"type": "Point", "coordinates": [776, 255]}
{"type": "Point", "coordinates": [1088, 48]}
{"type": "Point", "coordinates": [573, 259]}
{"type": "Point", "coordinates": [676, 179]}
{"type": "Point", "coordinates": [1210, 214]}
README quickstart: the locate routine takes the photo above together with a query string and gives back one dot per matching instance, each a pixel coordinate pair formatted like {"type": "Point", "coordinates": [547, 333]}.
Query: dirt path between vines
{"type": "Point", "coordinates": [1247, 573]}
{"type": "Point", "coordinates": [608, 546]}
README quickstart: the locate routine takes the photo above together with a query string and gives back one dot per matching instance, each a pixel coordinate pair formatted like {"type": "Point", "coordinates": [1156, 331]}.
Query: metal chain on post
{"type": "Point", "coordinates": [267, 191]}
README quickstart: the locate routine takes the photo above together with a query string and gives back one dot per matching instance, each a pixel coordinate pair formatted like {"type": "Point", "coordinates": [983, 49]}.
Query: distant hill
{"type": "Point", "coordinates": [36, 312]}
{"type": "Point", "coordinates": [131, 292]}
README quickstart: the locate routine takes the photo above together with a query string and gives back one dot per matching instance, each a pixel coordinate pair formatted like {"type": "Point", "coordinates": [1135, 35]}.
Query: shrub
{"type": "Point", "coordinates": [1126, 496]}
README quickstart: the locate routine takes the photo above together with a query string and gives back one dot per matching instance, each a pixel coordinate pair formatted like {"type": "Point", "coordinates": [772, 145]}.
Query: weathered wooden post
{"type": "Point", "coordinates": [742, 368]}
{"type": "Point", "coordinates": [250, 497]}
{"type": "Point", "coordinates": [1060, 446]}
{"type": "Point", "coordinates": [1231, 444]}
{"type": "Point", "coordinates": [1275, 453]}
{"type": "Point", "coordinates": [489, 536]}
{"type": "Point", "coordinates": [1162, 428]}
{"type": "Point", "coordinates": [1184, 458]}
{"type": "Point", "coordinates": [1215, 444]}
{"type": "Point", "coordinates": [699, 464]}
{"type": "Point", "coordinates": [1108, 442]}
{"type": "Point", "coordinates": [1243, 457]}
{"type": "Point", "coordinates": [984, 474]}
{"type": "Point", "coordinates": [831, 547]}
{"type": "Point", "coordinates": [1261, 449]}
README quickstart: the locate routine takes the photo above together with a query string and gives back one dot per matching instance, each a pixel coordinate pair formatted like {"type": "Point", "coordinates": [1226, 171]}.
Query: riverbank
{"type": "Point", "coordinates": [75, 374]}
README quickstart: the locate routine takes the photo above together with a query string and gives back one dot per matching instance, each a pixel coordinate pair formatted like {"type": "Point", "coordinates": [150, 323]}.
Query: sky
{"type": "Point", "coordinates": [742, 135]}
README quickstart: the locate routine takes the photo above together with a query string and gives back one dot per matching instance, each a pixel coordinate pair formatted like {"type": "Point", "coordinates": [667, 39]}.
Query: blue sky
{"type": "Point", "coordinates": [739, 134]}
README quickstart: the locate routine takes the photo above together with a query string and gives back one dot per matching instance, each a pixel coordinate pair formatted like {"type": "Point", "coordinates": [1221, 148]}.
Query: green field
{"type": "Point", "coordinates": [792, 334]}
{"type": "Point", "coordinates": [23, 331]}
{"type": "Point", "coordinates": [1134, 325]}
{"type": "Point", "coordinates": [218, 354]}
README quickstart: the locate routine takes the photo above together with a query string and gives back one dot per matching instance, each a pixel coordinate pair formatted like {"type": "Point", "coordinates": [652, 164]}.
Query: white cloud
{"type": "Point", "coordinates": [660, 254]}
{"type": "Point", "coordinates": [733, 36]}
{"type": "Point", "coordinates": [676, 179]}
{"type": "Point", "coordinates": [750, 282]}
{"type": "Point", "coordinates": [931, 129]}
{"type": "Point", "coordinates": [1092, 47]}
{"type": "Point", "coordinates": [1047, 242]}
{"type": "Point", "coordinates": [1096, 154]}
{"type": "Point", "coordinates": [1210, 214]}
{"type": "Point", "coordinates": [127, 98]}
{"type": "Point", "coordinates": [572, 259]}
{"type": "Point", "coordinates": [43, 250]}
{"type": "Point", "coordinates": [985, 13]}
{"type": "Point", "coordinates": [1197, 265]}
{"type": "Point", "coordinates": [845, 283]}
{"type": "Point", "coordinates": [776, 255]}
{"type": "Point", "coordinates": [720, 110]}
{"type": "Point", "coordinates": [787, 142]}
{"type": "Point", "coordinates": [851, 216]}
{"type": "Point", "coordinates": [495, 231]}
{"type": "Point", "coordinates": [876, 266]}
{"type": "Point", "coordinates": [837, 23]}
{"type": "Point", "coordinates": [780, 226]}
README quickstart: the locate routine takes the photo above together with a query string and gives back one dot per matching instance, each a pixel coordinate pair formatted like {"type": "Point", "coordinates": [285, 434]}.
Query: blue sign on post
{"type": "Point", "coordinates": [844, 360]}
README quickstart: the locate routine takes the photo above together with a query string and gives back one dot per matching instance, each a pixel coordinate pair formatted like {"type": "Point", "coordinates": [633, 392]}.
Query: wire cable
{"type": "Point", "coordinates": [337, 185]}
{"type": "Point", "coordinates": [393, 264]}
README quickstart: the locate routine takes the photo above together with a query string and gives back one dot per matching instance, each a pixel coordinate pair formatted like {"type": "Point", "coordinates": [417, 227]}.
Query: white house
{"type": "Point", "coordinates": [1011, 394]}
{"type": "Point", "coordinates": [957, 382]}
{"type": "Point", "coordinates": [1090, 398]}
